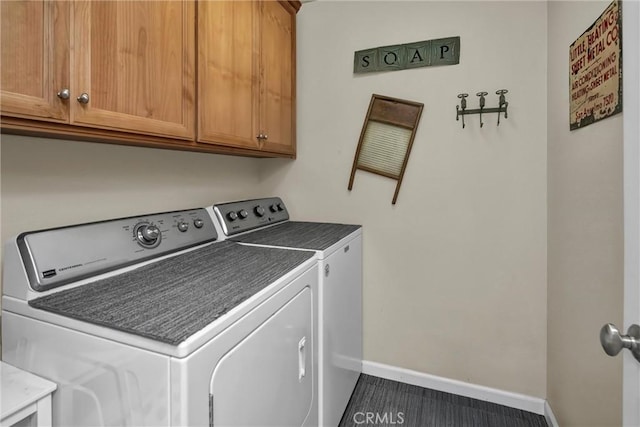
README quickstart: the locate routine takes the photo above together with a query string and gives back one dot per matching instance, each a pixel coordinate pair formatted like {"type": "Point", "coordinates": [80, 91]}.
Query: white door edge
{"type": "Point", "coordinates": [631, 123]}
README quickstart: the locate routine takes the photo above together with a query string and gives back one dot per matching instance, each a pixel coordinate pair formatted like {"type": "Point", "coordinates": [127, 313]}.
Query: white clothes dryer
{"type": "Point", "coordinates": [265, 223]}
{"type": "Point", "coordinates": [148, 321]}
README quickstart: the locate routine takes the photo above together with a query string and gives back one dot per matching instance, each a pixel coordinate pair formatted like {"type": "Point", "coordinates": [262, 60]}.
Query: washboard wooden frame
{"type": "Point", "coordinates": [386, 138]}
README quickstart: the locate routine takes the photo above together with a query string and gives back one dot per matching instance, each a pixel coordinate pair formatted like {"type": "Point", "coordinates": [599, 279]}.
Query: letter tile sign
{"type": "Point", "coordinates": [410, 55]}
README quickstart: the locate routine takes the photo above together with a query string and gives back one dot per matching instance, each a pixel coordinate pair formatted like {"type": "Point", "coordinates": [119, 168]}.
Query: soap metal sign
{"type": "Point", "coordinates": [409, 55]}
{"type": "Point", "coordinates": [595, 70]}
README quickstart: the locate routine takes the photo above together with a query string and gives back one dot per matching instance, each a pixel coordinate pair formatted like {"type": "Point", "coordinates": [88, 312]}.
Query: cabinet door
{"type": "Point", "coordinates": [277, 62]}
{"type": "Point", "coordinates": [227, 73]}
{"type": "Point", "coordinates": [35, 59]}
{"type": "Point", "coordinates": [135, 62]}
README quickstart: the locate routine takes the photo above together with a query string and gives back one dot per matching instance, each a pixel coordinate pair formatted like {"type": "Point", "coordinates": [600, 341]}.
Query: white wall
{"type": "Point", "coordinates": [455, 273]}
{"type": "Point", "coordinates": [50, 183]}
{"type": "Point", "coordinates": [585, 240]}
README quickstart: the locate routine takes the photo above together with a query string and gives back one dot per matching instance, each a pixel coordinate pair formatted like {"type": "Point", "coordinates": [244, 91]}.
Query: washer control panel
{"type": "Point", "coordinates": [238, 217]}
{"type": "Point", "coordinates": [91, 249]}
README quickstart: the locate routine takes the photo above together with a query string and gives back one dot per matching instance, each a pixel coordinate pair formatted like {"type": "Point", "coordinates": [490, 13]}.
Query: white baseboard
{"type": "Point", "coordinates": [548, 415]}
{"type": "Point", "coordinates": [514, 400]}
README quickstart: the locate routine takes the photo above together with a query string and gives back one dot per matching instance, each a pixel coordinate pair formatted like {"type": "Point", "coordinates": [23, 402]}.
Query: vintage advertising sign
{"type": "Point", "coordinates": [595, 70]}
{"type": "Point", "coordinates": [426, 53]}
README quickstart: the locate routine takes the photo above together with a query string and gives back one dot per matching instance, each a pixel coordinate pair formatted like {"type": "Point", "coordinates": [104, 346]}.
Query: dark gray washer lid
{"type": "Point", "coordinates": [303, 235]}
{"type": "Point", "coordinates": [170, 300]}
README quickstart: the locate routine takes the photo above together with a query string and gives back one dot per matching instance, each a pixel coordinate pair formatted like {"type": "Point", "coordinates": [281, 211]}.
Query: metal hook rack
{"type": "Point", "coordinates": [461, 110]}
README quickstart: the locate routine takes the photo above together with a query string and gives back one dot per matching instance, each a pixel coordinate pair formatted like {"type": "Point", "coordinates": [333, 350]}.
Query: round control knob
{"type": "Point", "coordinates": [243, 214]}
{"type": "Point", "coordinates": [232, 216]}
{"type": "Point", "coordinates": [280, 207]}
{"type": "Point", "coordinates": [148, 235]}
{"type": "Point", "coordinates": [198, 223]}
{"type": "Point", "coordinates": [183, 226]}
{"type": "Point", "coordinates": [259, 210]}
{"type": "Point", "coordinates": [273, 208]}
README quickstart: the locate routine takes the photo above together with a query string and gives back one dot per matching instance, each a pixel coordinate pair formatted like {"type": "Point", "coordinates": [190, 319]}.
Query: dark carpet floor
{"type": "Point", "coordinates": [380, 402]}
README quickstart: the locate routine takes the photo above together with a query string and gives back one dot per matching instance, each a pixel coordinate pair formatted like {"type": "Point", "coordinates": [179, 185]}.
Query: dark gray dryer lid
{"type": "Point", "coordinates": [171, 299]}
{"type": "Point", "coordinates": [302, 235]}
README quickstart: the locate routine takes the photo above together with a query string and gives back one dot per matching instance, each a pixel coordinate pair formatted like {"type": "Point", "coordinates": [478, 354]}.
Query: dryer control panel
{"type": "Point", "coordinates": [238, 217]}
{"type": "Point", "coordinates": [58, 256]}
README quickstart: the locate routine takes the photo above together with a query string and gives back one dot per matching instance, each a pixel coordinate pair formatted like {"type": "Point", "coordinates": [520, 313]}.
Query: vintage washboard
{"type": "Point", "coordinates": [386, 138]}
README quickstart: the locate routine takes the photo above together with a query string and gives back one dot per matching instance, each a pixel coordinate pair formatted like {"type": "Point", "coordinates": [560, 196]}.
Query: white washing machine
{"type": "Point", "coordinates": [265, 223]}
{"type": "Point", "coordinates": [148, 321]}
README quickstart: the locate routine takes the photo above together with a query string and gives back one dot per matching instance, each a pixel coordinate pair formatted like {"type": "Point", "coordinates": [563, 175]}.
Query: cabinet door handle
{"type": "Point", "coordinates": [64, 94]}
{"type": "Point", "coordinates": [83, 98]}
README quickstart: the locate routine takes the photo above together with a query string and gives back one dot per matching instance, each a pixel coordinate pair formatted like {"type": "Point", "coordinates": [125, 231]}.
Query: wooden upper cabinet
{"type": "Point", "coordinates": [246, 75]}
{"type": "Point", "coordinates": [133, 62]}
{"type": "Point", "coordinates": [278, 76]}
{"type": "Point", "coordinates": [35, 59]}
{"type": "Point", "coordinates": [125, 72]}
{"type": "Point", "coordinates": [227, 73]}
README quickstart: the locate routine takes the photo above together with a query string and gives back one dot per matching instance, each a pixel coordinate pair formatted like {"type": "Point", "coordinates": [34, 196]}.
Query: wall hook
{"type": "Point", "coordinates": [462, 107]}
{"type": "Point", "coordinates": [482, 102]}
{"type": "Point", "coordinates": [461, 110]}
{"type": "Point", "coordinates": [502, 103]}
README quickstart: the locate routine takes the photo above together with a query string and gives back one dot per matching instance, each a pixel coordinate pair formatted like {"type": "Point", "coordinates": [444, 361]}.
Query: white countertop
{"type": "Point", "coordinates": [20, 389]}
